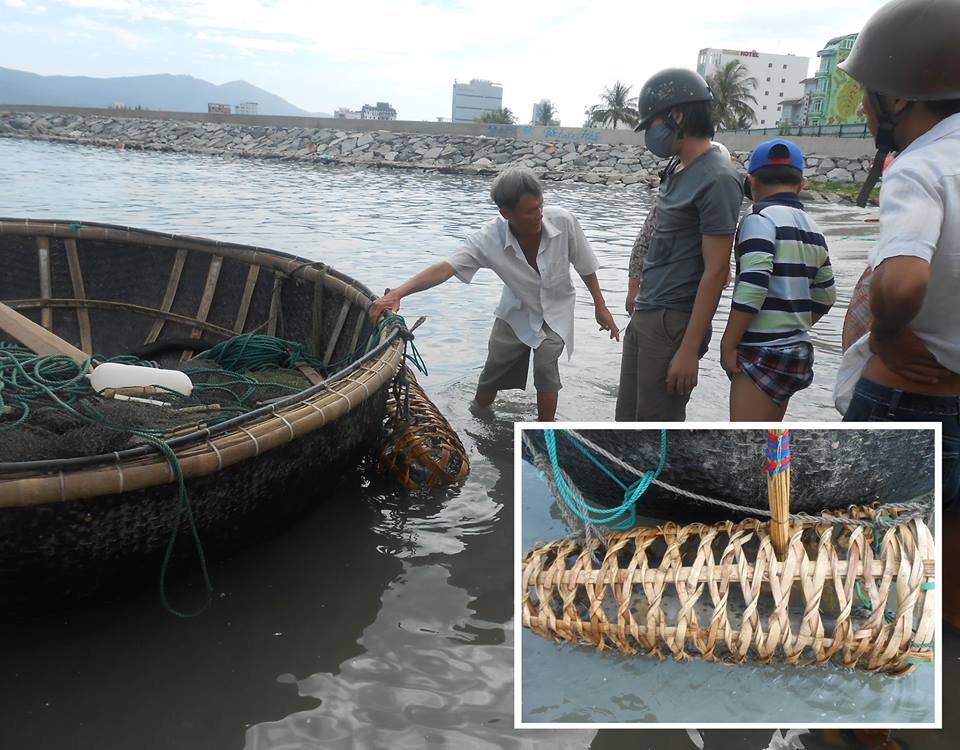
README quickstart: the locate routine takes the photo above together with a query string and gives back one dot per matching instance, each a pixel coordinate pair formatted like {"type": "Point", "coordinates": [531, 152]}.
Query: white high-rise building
{"type": "Point", "coordinates": [472, 100]}
{"type": "Point", "coordinates": [246, 108]}
{"type": "Point", "coordinates": [779, 78]}
{"type": "Point", "coordinates": [538, 113]}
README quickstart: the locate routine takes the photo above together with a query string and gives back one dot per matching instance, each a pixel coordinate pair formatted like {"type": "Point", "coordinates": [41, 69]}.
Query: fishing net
{"type": "Point", "coordinates": [48, 409]}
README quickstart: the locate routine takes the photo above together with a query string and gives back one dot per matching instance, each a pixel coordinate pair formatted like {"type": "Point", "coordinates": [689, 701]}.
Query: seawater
{"type": "Point", "coordinates": [384, 619]}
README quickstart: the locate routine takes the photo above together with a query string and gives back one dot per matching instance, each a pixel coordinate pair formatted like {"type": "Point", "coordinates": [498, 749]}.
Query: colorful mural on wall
{"type": "Point", "coordinates": [844, 104]}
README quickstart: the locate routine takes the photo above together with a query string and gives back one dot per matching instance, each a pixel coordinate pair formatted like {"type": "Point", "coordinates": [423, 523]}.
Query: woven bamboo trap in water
{"type": "Point", "coordinates": [421, 448]}
{"type": "Point", "coordinates": [843, 594]}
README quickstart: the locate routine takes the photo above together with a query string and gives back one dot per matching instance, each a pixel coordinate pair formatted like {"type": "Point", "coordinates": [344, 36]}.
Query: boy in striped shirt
{"type": "Point", "coordinates": [784, 286]}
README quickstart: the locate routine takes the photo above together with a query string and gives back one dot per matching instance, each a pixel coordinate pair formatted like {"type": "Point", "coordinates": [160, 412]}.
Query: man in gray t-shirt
{"type": "Point", "coordinates": [689, 257]}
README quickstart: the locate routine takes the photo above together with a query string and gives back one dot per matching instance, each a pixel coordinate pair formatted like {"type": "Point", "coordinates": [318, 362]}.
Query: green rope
{"type": "Point", "coordinates": [252, 352]}
{"type": "Point", "coordinates": [865, 603]}
{"type": "Point", "coordinates": [596, 462]}
{"type": "Point", "coordinates": [622, 517]}
{"type": "Point", "coordinates": [183, 507]}
{"type": "Point", "coordinates": [249, 352]}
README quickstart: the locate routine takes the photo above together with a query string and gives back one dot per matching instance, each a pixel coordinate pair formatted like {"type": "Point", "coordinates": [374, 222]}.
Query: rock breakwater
{"type": "Point", "coordinates": [593, 163]}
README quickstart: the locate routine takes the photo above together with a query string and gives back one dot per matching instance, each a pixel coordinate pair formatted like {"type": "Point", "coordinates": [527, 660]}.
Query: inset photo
{"type": "Point", "coordinates": [702, 576]}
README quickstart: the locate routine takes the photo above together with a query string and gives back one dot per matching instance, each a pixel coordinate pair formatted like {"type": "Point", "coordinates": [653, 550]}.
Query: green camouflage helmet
{"type": "Point", "coordinates": [667, 89]}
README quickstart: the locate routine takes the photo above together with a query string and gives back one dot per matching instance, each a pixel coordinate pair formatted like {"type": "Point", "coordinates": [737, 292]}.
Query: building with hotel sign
{"type": "Point", "coordinates": [779, 78]}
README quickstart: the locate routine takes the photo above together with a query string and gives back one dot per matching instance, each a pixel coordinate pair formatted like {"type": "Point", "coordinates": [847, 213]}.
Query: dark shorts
{"type": "Point", "coordinates": [873, 402]}
{"type": "Point", "coordinates": [508, 361]}
{"type": "Point", "coordinates": [778, 371]}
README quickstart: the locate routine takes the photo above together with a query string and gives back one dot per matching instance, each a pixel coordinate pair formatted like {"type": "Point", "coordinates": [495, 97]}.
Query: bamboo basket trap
{"type": "Point", "coordinates": [718, 592]}
{"type": "Point", "coordinates": [852, 587]}
{"type": "Point", "coordinates": [421, 448]}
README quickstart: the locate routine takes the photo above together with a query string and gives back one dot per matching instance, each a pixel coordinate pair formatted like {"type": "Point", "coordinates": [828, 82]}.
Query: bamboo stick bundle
{"type": "Point", "coordinates": [778, 489]}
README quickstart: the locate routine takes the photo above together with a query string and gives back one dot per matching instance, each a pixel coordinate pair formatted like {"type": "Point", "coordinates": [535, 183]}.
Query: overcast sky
{"type": "Point", "coordinates": [320, 55]}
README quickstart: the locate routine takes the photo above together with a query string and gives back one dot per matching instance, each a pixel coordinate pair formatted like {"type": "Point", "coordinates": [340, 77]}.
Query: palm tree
{"type": "Point", "coordinates": [502, 116]}
{"type": "Point", "coordinates": [733, 88]}
{"type": "Point", "coordinates": [546, 113]}
{"type": "Point", "coordinates": [615, 107]}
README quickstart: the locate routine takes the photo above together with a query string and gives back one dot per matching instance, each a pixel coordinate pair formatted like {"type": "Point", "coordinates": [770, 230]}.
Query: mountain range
{"type": "Point", "coordinates": [172, 93]}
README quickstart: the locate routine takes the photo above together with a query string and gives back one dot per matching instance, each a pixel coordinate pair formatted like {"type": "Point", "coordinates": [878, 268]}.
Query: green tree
{"type": "Point", "coordinates": [502, 116]}
{"type": "Point", "coordinates": [733, 88]}
{"type": "Point", "coordinates": [546, 113]}
{"type": "Point", "coordinates": [615, 106]}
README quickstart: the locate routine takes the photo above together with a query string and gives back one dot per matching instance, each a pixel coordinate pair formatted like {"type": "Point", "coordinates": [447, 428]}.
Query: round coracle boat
{"type": "Point", "coordinates": [93, 490]}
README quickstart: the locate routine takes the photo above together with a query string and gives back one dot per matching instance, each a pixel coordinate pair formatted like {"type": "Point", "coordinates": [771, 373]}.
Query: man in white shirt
{"type": "Point", "coordinates": [531, 249]}
{"type": "Point", "coordinates": [907, 60]}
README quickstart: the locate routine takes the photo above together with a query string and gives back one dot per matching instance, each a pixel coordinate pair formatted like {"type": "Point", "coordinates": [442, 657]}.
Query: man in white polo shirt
{"type": "Point", "coordinates": [907, 60]}
{"type": "Point", "coordinates": [531, 249]}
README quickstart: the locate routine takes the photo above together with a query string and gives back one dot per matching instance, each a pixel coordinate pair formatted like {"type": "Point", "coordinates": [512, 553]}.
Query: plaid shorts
{"type": "Point", "coordinates": [778, 371]}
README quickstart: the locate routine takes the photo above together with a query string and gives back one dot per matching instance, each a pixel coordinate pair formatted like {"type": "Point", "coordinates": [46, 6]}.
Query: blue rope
{"type": "Point", "coordinates": [622, 517]}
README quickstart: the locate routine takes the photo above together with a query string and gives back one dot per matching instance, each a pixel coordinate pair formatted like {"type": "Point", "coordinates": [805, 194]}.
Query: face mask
{"type": "Point", "coordinates": [659, 141]}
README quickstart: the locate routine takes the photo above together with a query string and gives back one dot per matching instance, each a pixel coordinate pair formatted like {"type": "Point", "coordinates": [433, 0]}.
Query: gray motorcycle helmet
{"type": "Point", "coordinates": [667, 89]}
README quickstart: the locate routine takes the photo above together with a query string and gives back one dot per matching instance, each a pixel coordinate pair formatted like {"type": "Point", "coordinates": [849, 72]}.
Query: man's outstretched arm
{"type": "Point", "coordinates": [426, 279]}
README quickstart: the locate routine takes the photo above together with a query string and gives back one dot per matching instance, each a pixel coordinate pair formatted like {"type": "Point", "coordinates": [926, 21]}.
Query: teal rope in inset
{"type": "Point", "coordinates": [622, 517]}
{"type": "Point", "coordinates": [596, 462]}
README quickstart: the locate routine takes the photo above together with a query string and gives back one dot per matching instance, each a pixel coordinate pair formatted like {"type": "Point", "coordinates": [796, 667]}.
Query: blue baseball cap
{"type": "Point", "coordinates": [778, 152]}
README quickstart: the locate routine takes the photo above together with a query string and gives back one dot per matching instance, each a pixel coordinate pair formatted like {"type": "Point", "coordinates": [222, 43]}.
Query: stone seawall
{"type": "Point", "coordinates": [593, 163]}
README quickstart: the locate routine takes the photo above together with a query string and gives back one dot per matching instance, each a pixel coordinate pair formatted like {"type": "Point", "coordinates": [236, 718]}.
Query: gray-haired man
{"type": "Point", "coordinates": [531, 249]}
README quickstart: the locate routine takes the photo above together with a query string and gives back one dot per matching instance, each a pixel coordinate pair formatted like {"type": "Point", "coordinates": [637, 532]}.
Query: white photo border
{"type": "Point", "coordinates": [519, 427]}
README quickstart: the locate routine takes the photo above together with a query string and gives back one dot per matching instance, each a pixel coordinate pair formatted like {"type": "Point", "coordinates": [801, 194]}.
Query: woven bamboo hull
{"type": "Point", "coordinates": [830, 468]}
{"type": "Point", "coordinates": [86, 527]}
{"type": "Point", "coordinates": [63, 553]}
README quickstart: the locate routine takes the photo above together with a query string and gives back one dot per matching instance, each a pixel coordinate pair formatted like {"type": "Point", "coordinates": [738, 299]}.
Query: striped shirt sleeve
{"type": "Point", "coordinates": [823, 292]}
{"type": "Point", "coordinates": [755, 250]}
